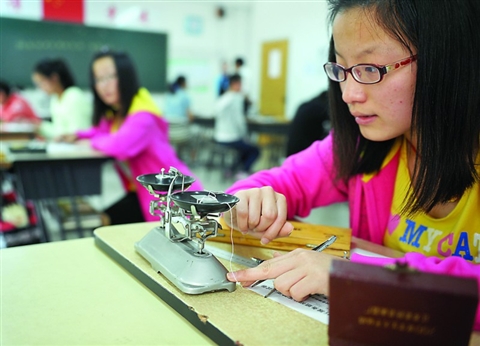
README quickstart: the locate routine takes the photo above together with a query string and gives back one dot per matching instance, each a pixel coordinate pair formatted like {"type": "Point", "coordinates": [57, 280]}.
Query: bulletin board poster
{"type": "Point", "coordinates": [24, 42]}
{"type": "Point", "coordinates": [197, 71]}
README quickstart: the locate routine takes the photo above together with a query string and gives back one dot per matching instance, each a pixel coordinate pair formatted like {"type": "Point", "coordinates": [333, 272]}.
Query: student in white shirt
{"type": "Point", "coordinates": [231, 126]}
{"type": "Point", "coordinates": [70, 109]}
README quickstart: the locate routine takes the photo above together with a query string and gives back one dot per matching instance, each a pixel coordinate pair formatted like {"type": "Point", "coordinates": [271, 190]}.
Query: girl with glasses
{"type": "Point", "coordinates": [403, 150]}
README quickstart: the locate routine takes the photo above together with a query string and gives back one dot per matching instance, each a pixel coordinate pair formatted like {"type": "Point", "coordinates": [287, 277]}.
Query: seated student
{"type": "Point", "coordinates": [311, 123]}
{"type": "Point", "coordinates": [129, 127]}
{"type": "Point", "coordinates": [177, 103]}
{"type": "Point", "coordinates": [14, 108]}
{"type": "Point", "coordinates": [179, 116]}
{"type": "Point", "coordinates": [244, 74]}
{"type": "Point", "coordinates": [404, 150]}
{"type": "Point", "coordinates": [70, 109]}
{"type": "Point", "coordinates": [231, 126]}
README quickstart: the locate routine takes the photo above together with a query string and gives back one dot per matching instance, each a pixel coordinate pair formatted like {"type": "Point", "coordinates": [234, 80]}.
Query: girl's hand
{"type": "Point", "coordinates": [298, 274]}
{"type": "Point", "coordinates": [70, 138]}
{"type": "Point", "coordinates": [262, 213]}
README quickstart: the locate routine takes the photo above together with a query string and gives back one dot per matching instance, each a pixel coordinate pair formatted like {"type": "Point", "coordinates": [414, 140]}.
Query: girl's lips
{"type": "Point", "coordinates": [364, 119]}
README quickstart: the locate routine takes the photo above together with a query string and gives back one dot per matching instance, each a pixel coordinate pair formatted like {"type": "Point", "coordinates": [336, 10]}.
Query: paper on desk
{"type": "Point", "coordinates": [61, 147]}
{"type": "Point", "coordinates": [58, 147]}
{"type": "Point", "coordinates": [315, 306]}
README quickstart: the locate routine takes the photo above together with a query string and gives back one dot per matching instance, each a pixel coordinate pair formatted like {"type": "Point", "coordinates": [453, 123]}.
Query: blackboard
{"type": "Point", "coordinates": [24, 42]}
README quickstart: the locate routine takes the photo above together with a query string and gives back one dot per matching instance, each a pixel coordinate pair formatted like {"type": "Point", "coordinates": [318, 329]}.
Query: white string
{"type": "Point", "coordinates": [231, 242]}
{"type": "Point", "coordinates": [230, 208]}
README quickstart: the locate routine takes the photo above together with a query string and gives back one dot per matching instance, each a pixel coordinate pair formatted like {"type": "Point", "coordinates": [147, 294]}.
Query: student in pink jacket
{"type": "Point", "coordinates": [404, 149]}
{"type": "Point", "coordinates": [128, 126]}
{"type": "Point", "coordinates": [14, 108]}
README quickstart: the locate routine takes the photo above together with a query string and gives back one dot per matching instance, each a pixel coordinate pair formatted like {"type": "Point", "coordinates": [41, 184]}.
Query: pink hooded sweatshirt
{"type": "Point", "coordinates": [142, 141]}
{"type": "Point", "coordinates": [307, 180]}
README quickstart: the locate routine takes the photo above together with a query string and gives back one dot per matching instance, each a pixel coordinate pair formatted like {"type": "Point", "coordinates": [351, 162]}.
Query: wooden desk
{"type": "Point", "coordinates": [271, 126]}
{"type": "Point", "coordinates": [71, 292]}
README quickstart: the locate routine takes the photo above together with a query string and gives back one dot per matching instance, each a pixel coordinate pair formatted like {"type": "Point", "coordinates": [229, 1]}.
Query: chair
{"type": "Point", "coordinates": [222, 157]}
{"type": "Point", "coordinates": [180, 137]}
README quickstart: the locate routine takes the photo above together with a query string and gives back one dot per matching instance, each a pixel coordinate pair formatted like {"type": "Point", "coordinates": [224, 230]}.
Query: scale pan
{"type": "Point", "coordinates": [161, 182]}
{"type": "Point", "coordinates": [204, 201]}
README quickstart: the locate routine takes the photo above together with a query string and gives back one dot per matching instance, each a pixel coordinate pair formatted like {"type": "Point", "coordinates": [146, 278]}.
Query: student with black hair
{"type": "Point", "coordinates": [244, 73]}
{"type": "Point", "coordinates": [14, 108]}
{"type": "Point", "coordinates": [129, 127]}
{"type": "Point", "coordinates": [70, 109]}
{"type": "Point", "coordinates": [177, 103]}
{"type": "Point", "coordinates": [404, 150]}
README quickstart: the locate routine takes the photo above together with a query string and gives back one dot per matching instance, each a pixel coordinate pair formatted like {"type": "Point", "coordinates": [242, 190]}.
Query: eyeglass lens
{"type": "Point", "coordinates": [361, 73]}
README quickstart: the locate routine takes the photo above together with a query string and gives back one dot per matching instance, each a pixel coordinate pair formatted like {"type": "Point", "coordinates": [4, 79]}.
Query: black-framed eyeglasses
{"type": "Point", "coordinates": [364, 73]}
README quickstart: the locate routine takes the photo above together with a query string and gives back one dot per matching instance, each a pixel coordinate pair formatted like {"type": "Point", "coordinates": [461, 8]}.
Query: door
{"type": "Point", "coordinates": [273, 82]}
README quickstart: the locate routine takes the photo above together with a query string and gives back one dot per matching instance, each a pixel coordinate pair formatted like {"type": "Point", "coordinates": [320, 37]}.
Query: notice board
{"type": "Point", "coordinates": [24, 42]}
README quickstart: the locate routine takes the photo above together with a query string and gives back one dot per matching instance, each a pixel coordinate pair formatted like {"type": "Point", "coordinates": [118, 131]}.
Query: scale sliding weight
{"type": "Point", "coordinates": [176, 248]}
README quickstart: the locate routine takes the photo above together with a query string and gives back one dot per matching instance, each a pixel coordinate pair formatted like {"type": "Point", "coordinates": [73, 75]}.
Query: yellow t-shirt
{"type": "Point", "coordinates": [457, 234]}
{"type": "Point", "coordinates": [142, 101]}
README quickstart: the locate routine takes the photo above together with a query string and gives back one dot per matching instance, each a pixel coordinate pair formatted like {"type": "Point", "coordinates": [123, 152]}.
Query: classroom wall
{"type": "Point", "coordinates": [198, 40]}
{"type": "Point", "coordinates": [304, 25]}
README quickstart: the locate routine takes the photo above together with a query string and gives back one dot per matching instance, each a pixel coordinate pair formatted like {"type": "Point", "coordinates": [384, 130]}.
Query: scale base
{"type": "Point", "coordinates": [179, 262]}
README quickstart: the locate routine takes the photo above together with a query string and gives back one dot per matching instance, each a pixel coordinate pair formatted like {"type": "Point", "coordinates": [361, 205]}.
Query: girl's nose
{"type": "Point", "coordinates": [352, 91]}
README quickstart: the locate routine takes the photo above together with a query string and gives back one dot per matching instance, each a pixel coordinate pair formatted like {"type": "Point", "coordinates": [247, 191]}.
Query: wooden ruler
{"type": "Point", "coordinates": [304, 235]}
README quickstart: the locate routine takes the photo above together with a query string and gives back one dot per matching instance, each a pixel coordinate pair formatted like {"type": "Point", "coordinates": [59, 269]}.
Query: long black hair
{"type": "Point", "coordinates": [55, 66]}
{"type": "Point", "coordinates": [5, 87]}
{"type": "Point", "coordinates": [446, 107]}
{"type": "Point", "coordinates": [128, 84]}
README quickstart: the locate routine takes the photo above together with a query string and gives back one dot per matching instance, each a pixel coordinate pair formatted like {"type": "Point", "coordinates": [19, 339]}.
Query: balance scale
{"type": "Point", "coordinates": [176, 248]}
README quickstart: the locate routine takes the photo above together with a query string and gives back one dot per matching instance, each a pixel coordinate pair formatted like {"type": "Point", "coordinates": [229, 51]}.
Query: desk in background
{"type": "Point", "coordinates": [64, 171]}
{"type": "Point", "coordinates": [270, 133]}
{"type": "Point", "coordinates": [257, 124]}
{"type": "Point", "coordinates": [16, 131]}
{"type": "Point", "coordinates": [71, 292]}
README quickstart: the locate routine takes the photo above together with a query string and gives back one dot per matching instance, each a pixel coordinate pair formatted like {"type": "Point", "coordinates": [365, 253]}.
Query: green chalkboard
{"type": "Point", "coordinates": [24, 42]}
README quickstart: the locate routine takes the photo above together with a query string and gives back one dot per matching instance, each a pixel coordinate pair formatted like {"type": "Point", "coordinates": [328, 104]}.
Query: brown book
{"type": "Point", "coordinates": [372, 305]}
